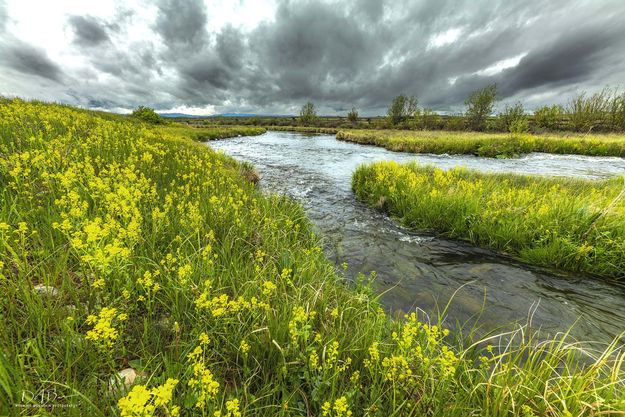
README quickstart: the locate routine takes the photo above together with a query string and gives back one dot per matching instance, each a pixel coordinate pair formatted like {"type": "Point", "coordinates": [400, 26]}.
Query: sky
{"type": "Point", "coordinates": [271, 56]}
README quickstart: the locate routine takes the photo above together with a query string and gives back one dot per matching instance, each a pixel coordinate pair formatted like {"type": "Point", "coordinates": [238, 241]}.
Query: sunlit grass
{"type": "Point", "coordinates": [573, 224]}
{"type": "Point", "coordinates": [129, 246]}
{"type": "Point", "coordinates": [488, 144]}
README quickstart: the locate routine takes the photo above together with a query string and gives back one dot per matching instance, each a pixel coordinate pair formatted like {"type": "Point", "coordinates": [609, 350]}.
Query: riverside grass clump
{"type": "Point", "coordinates": [573, 224]}
{"type": "Point", "coordinates": [487, 144]}
{"type": "Point", "coordinates": [141, 274]}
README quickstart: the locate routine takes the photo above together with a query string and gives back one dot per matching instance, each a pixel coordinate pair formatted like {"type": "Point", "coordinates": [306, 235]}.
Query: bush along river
{"type": "Point", "coordinates": [417, 270]}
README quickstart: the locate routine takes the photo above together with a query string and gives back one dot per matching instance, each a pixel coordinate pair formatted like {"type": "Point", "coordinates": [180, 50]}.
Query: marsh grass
{"type": "Point", "coordinates": [488, 144]}
{"type": "Point", "coordinates": [160, 256]}
{"type": "Point", "coordinates": [573, 224]}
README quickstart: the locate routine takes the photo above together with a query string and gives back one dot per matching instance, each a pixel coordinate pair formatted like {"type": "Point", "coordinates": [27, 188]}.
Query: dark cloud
{"type": "Point", "coordinates": [28, 59]}
{"type": "Point", "coordinates": [182, 23]}
{"type": "Point", "coordinates": [339, 54]}
{"type": "Point", "coordinates": [88, 31]}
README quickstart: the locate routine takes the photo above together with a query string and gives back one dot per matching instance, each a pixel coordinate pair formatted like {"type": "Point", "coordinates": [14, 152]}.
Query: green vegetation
{"type": "Point", "coordinates": [352, 115]}
{"type": "Point", "coordinates": [123, 245]}
{"type": "Point", "coordinates": [480, 105]}
{"type": "Point", "coordinates": [147, 114]}
{"type": "Point", "coordinates": [308, 114]}
{"type": "Point", "coordinates": [487, 144]}
{"type": "Point", "coordinates": [571, 224]}
{"type": "Point", "coordinates": [203, 134]}
{"type": "Point", "coordinates": [304, 129]}
{"type": "Point", "coordinates": [401, 109]}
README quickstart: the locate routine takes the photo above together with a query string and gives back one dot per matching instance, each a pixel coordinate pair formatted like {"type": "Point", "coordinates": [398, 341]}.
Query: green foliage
{"type": "Point", "coordinates": [487, 144]}
{"type": "Point", "coordinates": [480, 105]}
{"type": "Point", "coordinates": [571, 224]}
{"type": "Point", "coordinates": [352, 115]}
{"type": "Point", "coordinates": [513, 119]}
{"type": "Point", "coordinates": [401, 109]}
{"type": "Point", "coordinates": [308, 114]}
{"type": "Point", "coordinates": [147, 114]}
{"type": "Point", "coordinates": [155, 253]}
{"type": "Point", "coordinates": [549, 117]}
{"type": "Point", "coordinates": [428, 119]}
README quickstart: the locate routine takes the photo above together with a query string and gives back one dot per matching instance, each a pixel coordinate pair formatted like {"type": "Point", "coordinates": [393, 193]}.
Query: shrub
{"type": "Point", "coordinates": [352, 116]}
{"type": "Point", "coordinates": [512, 115]}
{"type": "Point", "coordinates": [308, 114]}
{"type": "Point", "coordinates": [479, 106]}
{"type": "Point", "coordinates": [402, 108]}
{"type": "Point", "coordinates": [548, 117]}
{"type": "Point", "coordinates": [147, 114]}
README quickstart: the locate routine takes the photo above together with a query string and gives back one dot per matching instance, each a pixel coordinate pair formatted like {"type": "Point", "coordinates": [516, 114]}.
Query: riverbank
{"type": "Point", "coordinates": [128, 247]}
{"type": "Point", "coordinates": [204, 134]}
{"type": "Point", "coordinates": [572, 224]}
{"type": "Point", "coordinates": [487, 144]}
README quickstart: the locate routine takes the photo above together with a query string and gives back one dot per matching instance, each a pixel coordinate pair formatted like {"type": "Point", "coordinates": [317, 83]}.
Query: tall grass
{"type": "Point", "coordinates": [572, 224]}
{"type": "Point", "coordinates": [156, 254]}
{"type": "Point", "coordinates": [203, 134]}
{"type": "Point", "coordinates": [487, 144]}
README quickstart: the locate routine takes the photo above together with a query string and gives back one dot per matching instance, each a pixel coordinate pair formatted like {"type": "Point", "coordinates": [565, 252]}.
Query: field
{"type": "Point", "coordinates": [488, 144]}
{"type": "Point", "coordinates": [572, 224]}
{"type": "Point", "coordinates": [124, 245]}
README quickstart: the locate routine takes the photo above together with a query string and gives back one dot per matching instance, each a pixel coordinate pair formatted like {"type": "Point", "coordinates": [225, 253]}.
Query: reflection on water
{"type": "Point", "coordinates": [417, 270]}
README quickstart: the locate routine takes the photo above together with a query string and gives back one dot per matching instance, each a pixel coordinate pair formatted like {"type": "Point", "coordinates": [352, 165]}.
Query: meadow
{"type": "Point", "coordinates": [571, 224]}
{"type": "Point", "coordinates": [488, 144]}
{"type": "Point", "coordinates": [131, 248]}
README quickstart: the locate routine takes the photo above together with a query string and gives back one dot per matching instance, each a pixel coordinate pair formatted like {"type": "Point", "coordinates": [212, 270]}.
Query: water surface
{"type": "Point", "coordinates": [416, 270]}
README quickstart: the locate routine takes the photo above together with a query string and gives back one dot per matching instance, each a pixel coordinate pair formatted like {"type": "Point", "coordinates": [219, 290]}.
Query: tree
{"type": "Point", "coordinates": [147, 114]}
{"type": "Point", "coordinates": [479, 106]}
{"type": "Point", "coordinates": [513, 118]}
{"type": "Point", "coordinates": [402, 108]}
{"type": "Point", "coordinates": [548, 117]}
{"type": "Point", "coordinates": [308, 114]}
{"type": "Point", "coordinates": [352, 116]}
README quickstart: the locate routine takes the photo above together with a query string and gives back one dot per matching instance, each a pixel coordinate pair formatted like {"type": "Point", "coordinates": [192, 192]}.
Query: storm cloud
{"type": "Point", "coordinates": [338, 54]}
{"type": "Point", "coordinates": [88, 30]}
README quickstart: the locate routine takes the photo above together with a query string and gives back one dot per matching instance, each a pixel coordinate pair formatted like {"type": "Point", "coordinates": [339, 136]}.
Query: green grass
{"type": "Point", "coordinates": [162, 257]}
{"type": "Point", "coordinates": [304, 129]}
{"type": "Point", "coordinates": [572, 224]}
{"type": "Point", "coordinates": [488, 144]}
{"type": "Point", "coordinates": [204, 134]}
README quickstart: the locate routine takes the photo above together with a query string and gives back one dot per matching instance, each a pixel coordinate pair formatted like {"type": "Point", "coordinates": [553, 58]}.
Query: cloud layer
{"type": "Point", "coordinates": [338, 54]}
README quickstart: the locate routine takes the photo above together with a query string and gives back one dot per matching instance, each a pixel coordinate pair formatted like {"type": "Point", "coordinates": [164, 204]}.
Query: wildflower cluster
{"type": "Point", "coordinates": [144, 402]}
{"type": "Point", "coordinates": [103, 332]}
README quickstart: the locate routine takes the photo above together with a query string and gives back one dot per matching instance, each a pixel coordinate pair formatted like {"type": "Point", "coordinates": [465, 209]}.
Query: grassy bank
{"type": "Point", "coordinates": [573, 224]}
{"type": "Point", "coordinates": [487, 144]}
{"type": "Point", "coordinates": [125, 246]}
{"type": "Point", "coordinates": [204, 134]}
{"type": "Point", "coordinates": [304, 129]}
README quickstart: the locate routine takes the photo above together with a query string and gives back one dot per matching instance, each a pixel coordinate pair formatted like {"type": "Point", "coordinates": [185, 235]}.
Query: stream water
{"type": "Point", "coordinates": [417, 270]}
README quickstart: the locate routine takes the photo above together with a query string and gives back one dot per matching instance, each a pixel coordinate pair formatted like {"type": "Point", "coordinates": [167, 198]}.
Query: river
{"type": "Point", "coordinates": [417, 270]}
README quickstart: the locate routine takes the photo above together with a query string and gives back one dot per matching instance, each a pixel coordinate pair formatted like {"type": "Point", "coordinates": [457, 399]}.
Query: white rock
{"type": "Point", "coordinates": [42, 289]}
{"type": "Point", "coordinates": [123, 379]}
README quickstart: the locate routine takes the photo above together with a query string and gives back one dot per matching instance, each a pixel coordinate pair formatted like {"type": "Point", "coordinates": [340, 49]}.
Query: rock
{"type": "Point", "coordinates": [47, 290]}
{"type": "Point", "coordinates": [123, 379]}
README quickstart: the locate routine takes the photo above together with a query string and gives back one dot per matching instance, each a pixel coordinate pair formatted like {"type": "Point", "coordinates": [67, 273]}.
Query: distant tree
{"type": "Point", "coordinates": [512, 118]}
{"type": "Point", "coordinates": [352, 116]}
{"type": "Point", "coordinates": [549, 117]}
{"type": "Point", "coordinates": [479, 106]}
{"type": "Point", "coordinates": [147, 114]}
{"type": "Point", "coordinates": [308, 114]}
{"type": "Point", "coordinates": [402, 108]}
{"type": "Point", "coordinates": [428, 119]}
